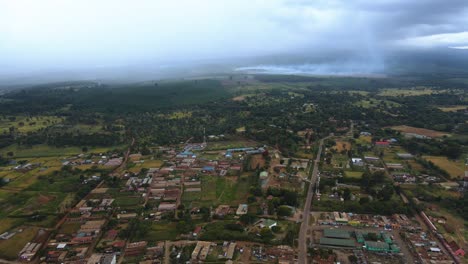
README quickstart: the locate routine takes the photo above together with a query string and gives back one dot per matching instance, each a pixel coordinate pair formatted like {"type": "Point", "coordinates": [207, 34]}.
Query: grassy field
{"type": "Point", "coordinates": [161, 231]}
{"type": "Point", "coordinates": [371, 102]}
{"type": "Point", "coordinates": [453, 108]}
{"type": "Point", "coordinates": [364, 140]}
{"type": "Point", "coordinates": [342, 145]}
{"type": "Point", "coordinates": [420, 131]}
{"type": "Point", "coordinates": [218, 190]}
{"type": "Point", "coordinates": [409, 92]}
{"type": "Point", "coordinates": [40, 151]}
{"type": "Point", "coordinates": [10, 248]}
{"type": "Point", "coordinates": [146, 164]}
{"type": "Point", "coordinates": [340, 160]}
{"type": "Point", "coordinates": [222, 145]}
{"type": "Point", "coordinates": [454, 168]}
{"type": "Point", "coordinates": [353, 174]}
{"type": "Point", "coordinates": [25, 124]}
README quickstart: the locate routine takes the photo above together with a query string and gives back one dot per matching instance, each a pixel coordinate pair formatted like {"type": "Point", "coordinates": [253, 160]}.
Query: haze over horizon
{"type": "Point", "coordinates": [99, 39]}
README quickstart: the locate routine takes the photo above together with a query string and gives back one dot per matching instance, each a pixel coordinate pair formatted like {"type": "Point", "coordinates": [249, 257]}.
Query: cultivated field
{"type": "Point", "coordinates": [454, 168]}
{"type": "Point", "coordinates": [420, 131]}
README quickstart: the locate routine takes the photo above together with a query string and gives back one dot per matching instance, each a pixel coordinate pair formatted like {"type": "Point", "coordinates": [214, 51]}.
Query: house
{"type": "Point", "coordinates": [222, 210]}
{"type": "Point", "coordinates": [196, 231]}
{"type": "Point", "coordinates": [457, 250]}
{"type": "Point", "coordinates": [164, 207]}
{"type": "Point", "coordinates": [266, 223]}
{"type": "Point", "coordinates": [242, 209]}
{"type": "Point", "coordinates": [29, 251]}
{"type": "Point", "coordinates": [230, 251]}
{"type": "Point", "coordinates": [357, 161]}
{"type": "Point", "coordinates": [405, 155]}
{"type": "Point", "coordinates": [263, 175]}
{"type": "Point", "coordinates": [382, 143]}
{"type": "Point", "coordinates": [136, 248]}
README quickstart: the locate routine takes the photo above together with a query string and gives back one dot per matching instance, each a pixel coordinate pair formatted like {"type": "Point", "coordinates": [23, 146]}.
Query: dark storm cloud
{"type": "Point", "coordinates": [86, 34]}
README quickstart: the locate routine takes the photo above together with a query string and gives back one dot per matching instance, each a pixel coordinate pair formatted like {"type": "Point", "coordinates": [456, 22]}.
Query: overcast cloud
{"type": "Point", "coordinates": [68, 34]}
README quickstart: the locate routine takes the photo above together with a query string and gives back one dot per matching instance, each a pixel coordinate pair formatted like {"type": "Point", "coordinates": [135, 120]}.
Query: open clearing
{"type": "Point", "coordinates": [410, 92]}
{"type": "Point", "coordinates": [453, 108]}
{"type": "Point", "coordinates": [420, 131]}
{"type": "Point", "coordinates": [10, 248]}
{"type": "Point", "coordinates": [453, 168]}
{"type": "Point", "coordinates": [342, 145]}
{"type": "Point", "coordinates": [353, 174]}
{"type": "Point", "coordinates": [25, 124]}
{"type": "Point", "coordinates": [49, 151]}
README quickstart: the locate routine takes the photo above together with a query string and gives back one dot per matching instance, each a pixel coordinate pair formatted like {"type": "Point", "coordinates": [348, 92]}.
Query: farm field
{"type": "Point", "coordinates": [454, 168]}
{"type": "Point", "coordinates": [420, 131]}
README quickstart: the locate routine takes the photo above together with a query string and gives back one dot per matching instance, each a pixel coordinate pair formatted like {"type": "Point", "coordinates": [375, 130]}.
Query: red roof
{"type": "Point", "coordinates": [118, 244]}
{"type": "Point", "coordinates": [197, 230]}
{"type": "Point", "coordinates": [382, 143]}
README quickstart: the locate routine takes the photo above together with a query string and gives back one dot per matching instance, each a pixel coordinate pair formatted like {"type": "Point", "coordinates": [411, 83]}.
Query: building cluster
{"type": "Point", "coordinates": [396, 221]}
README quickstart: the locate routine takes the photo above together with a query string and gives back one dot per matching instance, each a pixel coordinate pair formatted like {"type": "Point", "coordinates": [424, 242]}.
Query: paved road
{"type": "Point", "coordinates": [307, 206]}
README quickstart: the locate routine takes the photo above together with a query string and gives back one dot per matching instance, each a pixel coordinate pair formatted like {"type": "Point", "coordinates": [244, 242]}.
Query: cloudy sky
{"type": "Point", "coordinates": [68, 34]}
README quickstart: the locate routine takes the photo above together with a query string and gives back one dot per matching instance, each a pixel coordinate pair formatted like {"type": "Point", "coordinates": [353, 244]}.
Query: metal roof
{"type": "Point", "coordinates": [337, 242]}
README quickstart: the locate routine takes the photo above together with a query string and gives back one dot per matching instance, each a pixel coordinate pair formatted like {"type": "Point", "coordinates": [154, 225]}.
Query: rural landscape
{"type": "Point", "coordinates": [233, 132]}
{"type": "Point", "coordinates": [238, 169]}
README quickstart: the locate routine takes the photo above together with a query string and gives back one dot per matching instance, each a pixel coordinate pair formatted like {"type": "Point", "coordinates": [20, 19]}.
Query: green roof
{"type": "Point", "coordinates": [337, 242]}
{"type": "Point", "coordinates": [336, 233]}
{"type": "Point", "coordinates": [377, 246]}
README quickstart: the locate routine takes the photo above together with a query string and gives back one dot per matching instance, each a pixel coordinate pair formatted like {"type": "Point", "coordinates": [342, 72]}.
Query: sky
{"type": "Point", "coordinates": [47, 35]}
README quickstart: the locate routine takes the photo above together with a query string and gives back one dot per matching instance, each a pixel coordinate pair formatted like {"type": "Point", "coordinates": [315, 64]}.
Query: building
{"type": "Point", "coordinates": [201, 250]}
{"type": "Point", "coordinates": [230, 251]}
{"type": "Point", "coordinates": [335, 242]}
{"type": "Point", "coordinates": [456, 249]}
{"type": "Point", "coordinates": [29, 251]}
{"type": "Point", "coordinates": [242, 209]}
{"type": "Point", "coordinates": [266, 223]}
{"type": "Point", "coordinates": [136, 248]}
{"type": "Point", "coordinates": [222, 210]}
{"type": "Point", "coordinates": [336, 233]}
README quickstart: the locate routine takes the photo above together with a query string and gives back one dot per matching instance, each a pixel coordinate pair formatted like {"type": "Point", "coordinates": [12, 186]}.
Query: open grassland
{"type": "Point", "coordinates": [420, 131]}
{"type": "Point", "coordinates": [147, 163]}
{"type": "Point", "coordinates": [25, 124]}
{"type": "Point", "coordinates": [40, 151]}
{"type": "Point", "coordinates": [217, 190]}
{"type": "Point", "coordinates": [453, 108]}
{"type": "Point", "coordinates": [364, 140]}
{"type": "Point", "coordinates": [340, 160]}
{"type": "Point", "coordinates": [353, 174]}
{"type": "Point", "coordinates": [454, 168]}
{"type": "Point", "coordinates": [161, 231]}
{"type": "Point", "coordinates": [342, 145]}
{"type": "Point", "coordinates": [410, 92]}
{"type": "Point", "coordinates": [372, 103]}
{"type": "Point", "coordinates": [10, 248]}
{"type": "Point", "coordinates": [223, 145]}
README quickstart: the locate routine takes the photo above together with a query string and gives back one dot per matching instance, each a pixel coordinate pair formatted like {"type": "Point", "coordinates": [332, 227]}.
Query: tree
{"type": "Point", "coordinates": [266, 234]}
{"type": "Point", "coordinates": [284, 211]}
{"type": "Point", "coordinates": [347, 194]}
